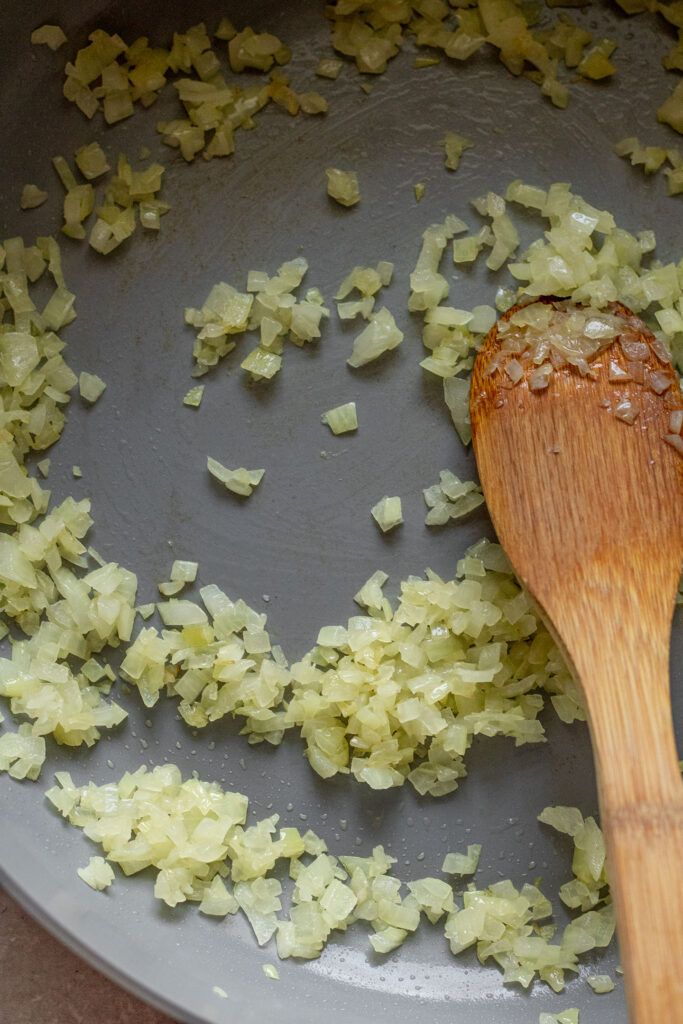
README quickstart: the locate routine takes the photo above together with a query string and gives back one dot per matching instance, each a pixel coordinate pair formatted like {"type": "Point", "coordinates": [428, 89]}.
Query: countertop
{"type": "Point", "coordinates": [43, 982]}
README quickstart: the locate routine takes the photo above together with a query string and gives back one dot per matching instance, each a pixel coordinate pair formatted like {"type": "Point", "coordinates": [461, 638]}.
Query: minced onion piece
{"type": "Point", "coordinates": [342, 186]}
{"type": "Point", "coordinates": [194, 396]}
{"type": "Point", "coordinates": [600, 983]}
{"type": "Point", "coordinates": [329, 67]}
{"type": "Point", "coordinates": [596, 63]}
{"type": "Point", "coordinates": [48, 35]}
{"type": "Point", "coordinates": [570, 1016]}
{"type": "Point", "coordinates": [671, 111]}
{"type": "Point", "coordinates": [271, 971]}
{"type": "Point", "coordinates": [90, 386]}
{"type": "Point", "coordinates": [381, 335]}
{"type": "Point", "coordinates": [462, 863]}
{"type": "Point", "coordinates": [31, 197]}
{"type": "Point", "coordinates": [195, 837]}
{"type": "Point", "coordinates": [170, 588]}
{"type": "Point", "coordinates": [239, 481]}
{"type": "Point", "coordinates": [387, 513]}
{"type": "Point", "coordinates": [184, 572]}
{"type": "Point", "coordinates": [342, 418]}
{"type": "Point", "coordinates": [91, 161]}
{"type": "Point", "coordinates": [454, 146]}
{"type": "Point", "coordinates": [97, 874]}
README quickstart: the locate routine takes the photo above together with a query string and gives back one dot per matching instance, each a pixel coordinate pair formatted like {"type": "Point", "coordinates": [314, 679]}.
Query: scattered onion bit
{"type": "Point", "coordinates": [342, 186]}
{"type": "Point", "coordinates": [90, 386]}
{"type": "Point", "coordinates": [462, 863]}
{"type": "Point", "coordinates": [97, 874]}
{"type": "Point", "coordinates": [600, 983]}
{"type": "Point", "coordinates": [194, 396]}
{"type": "Point", "coordinates": [342, 419]}
{"type": "Point", "coordinates": [381, 335]}
{"type": "Point", "coordinates": [31, 197]}
{"type": "Point", "coordinates": [239, 481]}
{"type": "Point", "coordinates": [454, 146]}
{"type": "Point", "coordinates": [387, 513]}
{"type": "Point", "coordinates": [48, 35]}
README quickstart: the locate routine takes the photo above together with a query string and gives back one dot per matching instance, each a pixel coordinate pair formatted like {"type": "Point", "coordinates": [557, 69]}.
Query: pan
{"type": "Point", "coordinates": [304, 543]}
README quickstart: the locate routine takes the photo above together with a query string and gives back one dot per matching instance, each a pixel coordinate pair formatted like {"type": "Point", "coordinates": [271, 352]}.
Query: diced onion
{"type": "Point", "coordinates": [342, 418]}
{"type": "Point", "coordinates": [387, 513]}
{"type": "Point", "coordinates": [343, 186]}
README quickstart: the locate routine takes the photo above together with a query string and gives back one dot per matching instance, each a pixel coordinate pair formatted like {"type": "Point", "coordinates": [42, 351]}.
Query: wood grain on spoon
{"type": "Point", "coordinates": [590, 511]}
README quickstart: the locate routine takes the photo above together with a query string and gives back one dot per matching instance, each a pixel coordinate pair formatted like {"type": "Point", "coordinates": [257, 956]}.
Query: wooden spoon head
{"type": "Point", "coordinates": [571, 489]}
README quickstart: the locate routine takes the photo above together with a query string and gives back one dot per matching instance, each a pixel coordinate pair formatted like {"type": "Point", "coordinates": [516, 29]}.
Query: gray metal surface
{"type": "Point", "coordinates": [305, 538]}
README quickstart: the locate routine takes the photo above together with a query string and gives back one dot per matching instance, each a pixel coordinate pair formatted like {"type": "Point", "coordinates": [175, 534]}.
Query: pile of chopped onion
{"type": "Point", "coordinates": [451, 498]}
{"type": "Point", "coordinates": [471, 655]}
{"type": "Point", "coordinates": [126, 191]}
{"type": "Point", "coordinates": [372, 32]}
{"type": "Point", "coordinates": [194, 835]}
{"type": "Point", "coordinates": [400, 693]}
{"type": "Point", "coordinates": [217, 664]}
{"type": "Point", "coordinates": [68, 618]}
{"type": "Point", "coordinates": [110, 76]}
{"type": "Point", "coordinates": [35, 381]}
{"type": "Point", "coordinates": [582, 256]}
{"type": "Point", "coordinates": [270, 306]}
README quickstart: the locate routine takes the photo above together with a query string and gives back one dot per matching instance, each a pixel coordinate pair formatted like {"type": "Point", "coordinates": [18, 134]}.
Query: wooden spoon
{"type": "Point", "coordinates": [590, 512]}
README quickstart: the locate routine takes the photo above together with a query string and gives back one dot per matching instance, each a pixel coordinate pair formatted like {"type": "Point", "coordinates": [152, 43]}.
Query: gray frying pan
{"type": "Point", "coordinates": [305, 539]}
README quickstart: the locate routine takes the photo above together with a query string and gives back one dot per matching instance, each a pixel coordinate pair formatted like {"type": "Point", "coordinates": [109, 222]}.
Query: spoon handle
{"type": "Point", "coordinates": [623, 665]}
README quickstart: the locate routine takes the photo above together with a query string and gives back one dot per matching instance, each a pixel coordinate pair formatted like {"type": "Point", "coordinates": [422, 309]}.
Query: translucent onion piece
{"type": "Point", "coordinates": [342, 419]}
{"type": "Point", "coordinates": [342, 186]}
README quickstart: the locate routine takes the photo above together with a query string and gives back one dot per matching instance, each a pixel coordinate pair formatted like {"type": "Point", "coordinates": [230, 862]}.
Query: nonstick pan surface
{"type": "Point", "coordinates": [305, 540]}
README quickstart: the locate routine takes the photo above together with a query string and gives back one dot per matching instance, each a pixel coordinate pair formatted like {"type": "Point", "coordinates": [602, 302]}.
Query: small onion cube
{"type": "Point", "coordinates": [387, 513]}
{"type": "Point", "coordinates": [31, 197]}
{"type": "Point", "coordinates": [342, 186]}
{"type": "Point", "coordinates": [98, 874]}
{"type": "Point", "coordinates": [341, 419]}
{"type": "Point", "coordinates": [90, 386]}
